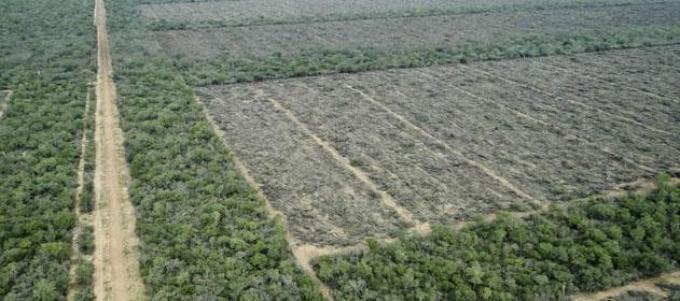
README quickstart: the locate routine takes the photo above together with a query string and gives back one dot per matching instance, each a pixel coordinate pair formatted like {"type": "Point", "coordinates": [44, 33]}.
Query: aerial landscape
{"type": "Point", "coordinates": [340, 150]}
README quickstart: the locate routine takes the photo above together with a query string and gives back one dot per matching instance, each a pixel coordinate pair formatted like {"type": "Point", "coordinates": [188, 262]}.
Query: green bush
{"type": "Point", "coordinates": [86, 240]}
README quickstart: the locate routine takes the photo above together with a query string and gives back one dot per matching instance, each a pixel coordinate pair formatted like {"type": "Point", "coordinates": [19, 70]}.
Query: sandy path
{"type": "Point", "coordinates": [81, 220]}
{"type": "Point", "coordinates": [4, 102]}
{"type": "Point", "coordinates": [116, 261]}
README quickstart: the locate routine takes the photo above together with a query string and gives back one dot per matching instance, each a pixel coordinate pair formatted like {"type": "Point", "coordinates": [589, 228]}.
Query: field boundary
{"type": "Point", "coordinates": [556, 97]}
{"type": "Point", "coordinates": [544, 124]}
{"type": "Point", "coordinates": [504, 182]}
{"type": "Point", "coordinates": [645, 284]}
{"type": "Point", "coordinates": [299, 250]}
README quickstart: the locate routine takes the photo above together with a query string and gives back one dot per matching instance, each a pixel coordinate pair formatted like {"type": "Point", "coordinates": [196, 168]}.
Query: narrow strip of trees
{"type": "Point", "coordinates": [204, 233]}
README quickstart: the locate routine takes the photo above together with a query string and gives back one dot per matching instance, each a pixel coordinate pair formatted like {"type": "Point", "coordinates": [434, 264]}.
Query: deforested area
{"type": "Point", "coordinates": [324, 203]}
{"type": "Point", "coordinates": [416, 170]}
{"type": "Point", "coordinates": [551, 148]}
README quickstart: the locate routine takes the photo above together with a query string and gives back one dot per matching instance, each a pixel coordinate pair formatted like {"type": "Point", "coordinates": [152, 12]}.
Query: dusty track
{"type": "Point", "coordinates": [3, 104]}
{"type": "Point", "coordinates": [116, 261]}
{"type": "Point", "coordinates": [647, 285]}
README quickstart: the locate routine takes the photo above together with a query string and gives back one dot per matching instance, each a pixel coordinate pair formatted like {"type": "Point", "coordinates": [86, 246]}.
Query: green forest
{"type": "Point", "coordinates": [586, 246]}
{"type": "Point", "coordinates": [47, 56]}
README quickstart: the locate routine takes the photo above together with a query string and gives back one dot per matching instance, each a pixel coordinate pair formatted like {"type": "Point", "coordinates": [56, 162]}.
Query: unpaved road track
{"type": "Point", "coordinates": [647, 285]}
{"type": "Point", "coordinates": [116, 261]}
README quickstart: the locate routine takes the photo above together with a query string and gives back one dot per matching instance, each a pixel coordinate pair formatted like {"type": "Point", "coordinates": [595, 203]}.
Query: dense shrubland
{"type": "Point", "coordinates": [47, 53]}
{"type": "Point", "coordinates": [204, 233]}
{"type": "Point", "coordinates": [588, 246]}
{"type": "Point", "coordinates": [228, 69]}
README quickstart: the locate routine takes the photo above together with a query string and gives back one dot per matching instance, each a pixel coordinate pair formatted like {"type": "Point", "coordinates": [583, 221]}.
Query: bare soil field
{"type": "Point", "coordinates": [324, 203]}
{"type": "Point", "coordinates": [258, 11]}
{"type": "Point", "coordinates": [414, 33]}
{"type": "Point", "coordinates": [445, 142]}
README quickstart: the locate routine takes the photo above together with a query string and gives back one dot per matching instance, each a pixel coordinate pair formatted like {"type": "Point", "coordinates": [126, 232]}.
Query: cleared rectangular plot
{"type": "Point", "coordinates": [255, 11]}
{"type": "Point", "coordinates": [431, 182]}
{"type": "Point", "coordinates": [541, 162]}
{"type": "Point", "coordinates": [413, 33]}
{"type": "Point", "coordinates": [324, 203]}
{"type": "Point", "coordinates": [571, 84]}
{"type": "Point", "coordinates": [652, 149]}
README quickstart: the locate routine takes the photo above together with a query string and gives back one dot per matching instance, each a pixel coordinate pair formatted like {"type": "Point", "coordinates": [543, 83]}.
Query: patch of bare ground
{"type": "Point", "coordinates": [116, 260]}
{"type": "Point", "coordinates": [653, 286]}
{"type": "Point", "coordinates": [5, 96]}
{"type": "Point", "coordinates": [324, 202]}
{"type": "Point", "coordinates": [82, 219]}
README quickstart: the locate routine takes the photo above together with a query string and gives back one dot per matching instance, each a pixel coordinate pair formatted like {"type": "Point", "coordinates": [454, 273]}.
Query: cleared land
{"type": "Point", "coordinates": [576, 82]}
{"type": "Point", "coordinates": [445, 142]}
{"type": "Point", "coordinates": [631, 70]}
{"type": "Point", "coordinates": [415, 33]}
{"type": "Point", "coordinates": [232, 13]}
{"type": "Point", "coordinates": [323, 201]}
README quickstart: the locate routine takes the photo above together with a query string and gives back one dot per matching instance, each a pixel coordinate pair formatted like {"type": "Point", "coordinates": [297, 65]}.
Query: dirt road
{"type": "Point", "coordinates": [647, 285]}
{"type": "Point", "coordinates": [116, 261]}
